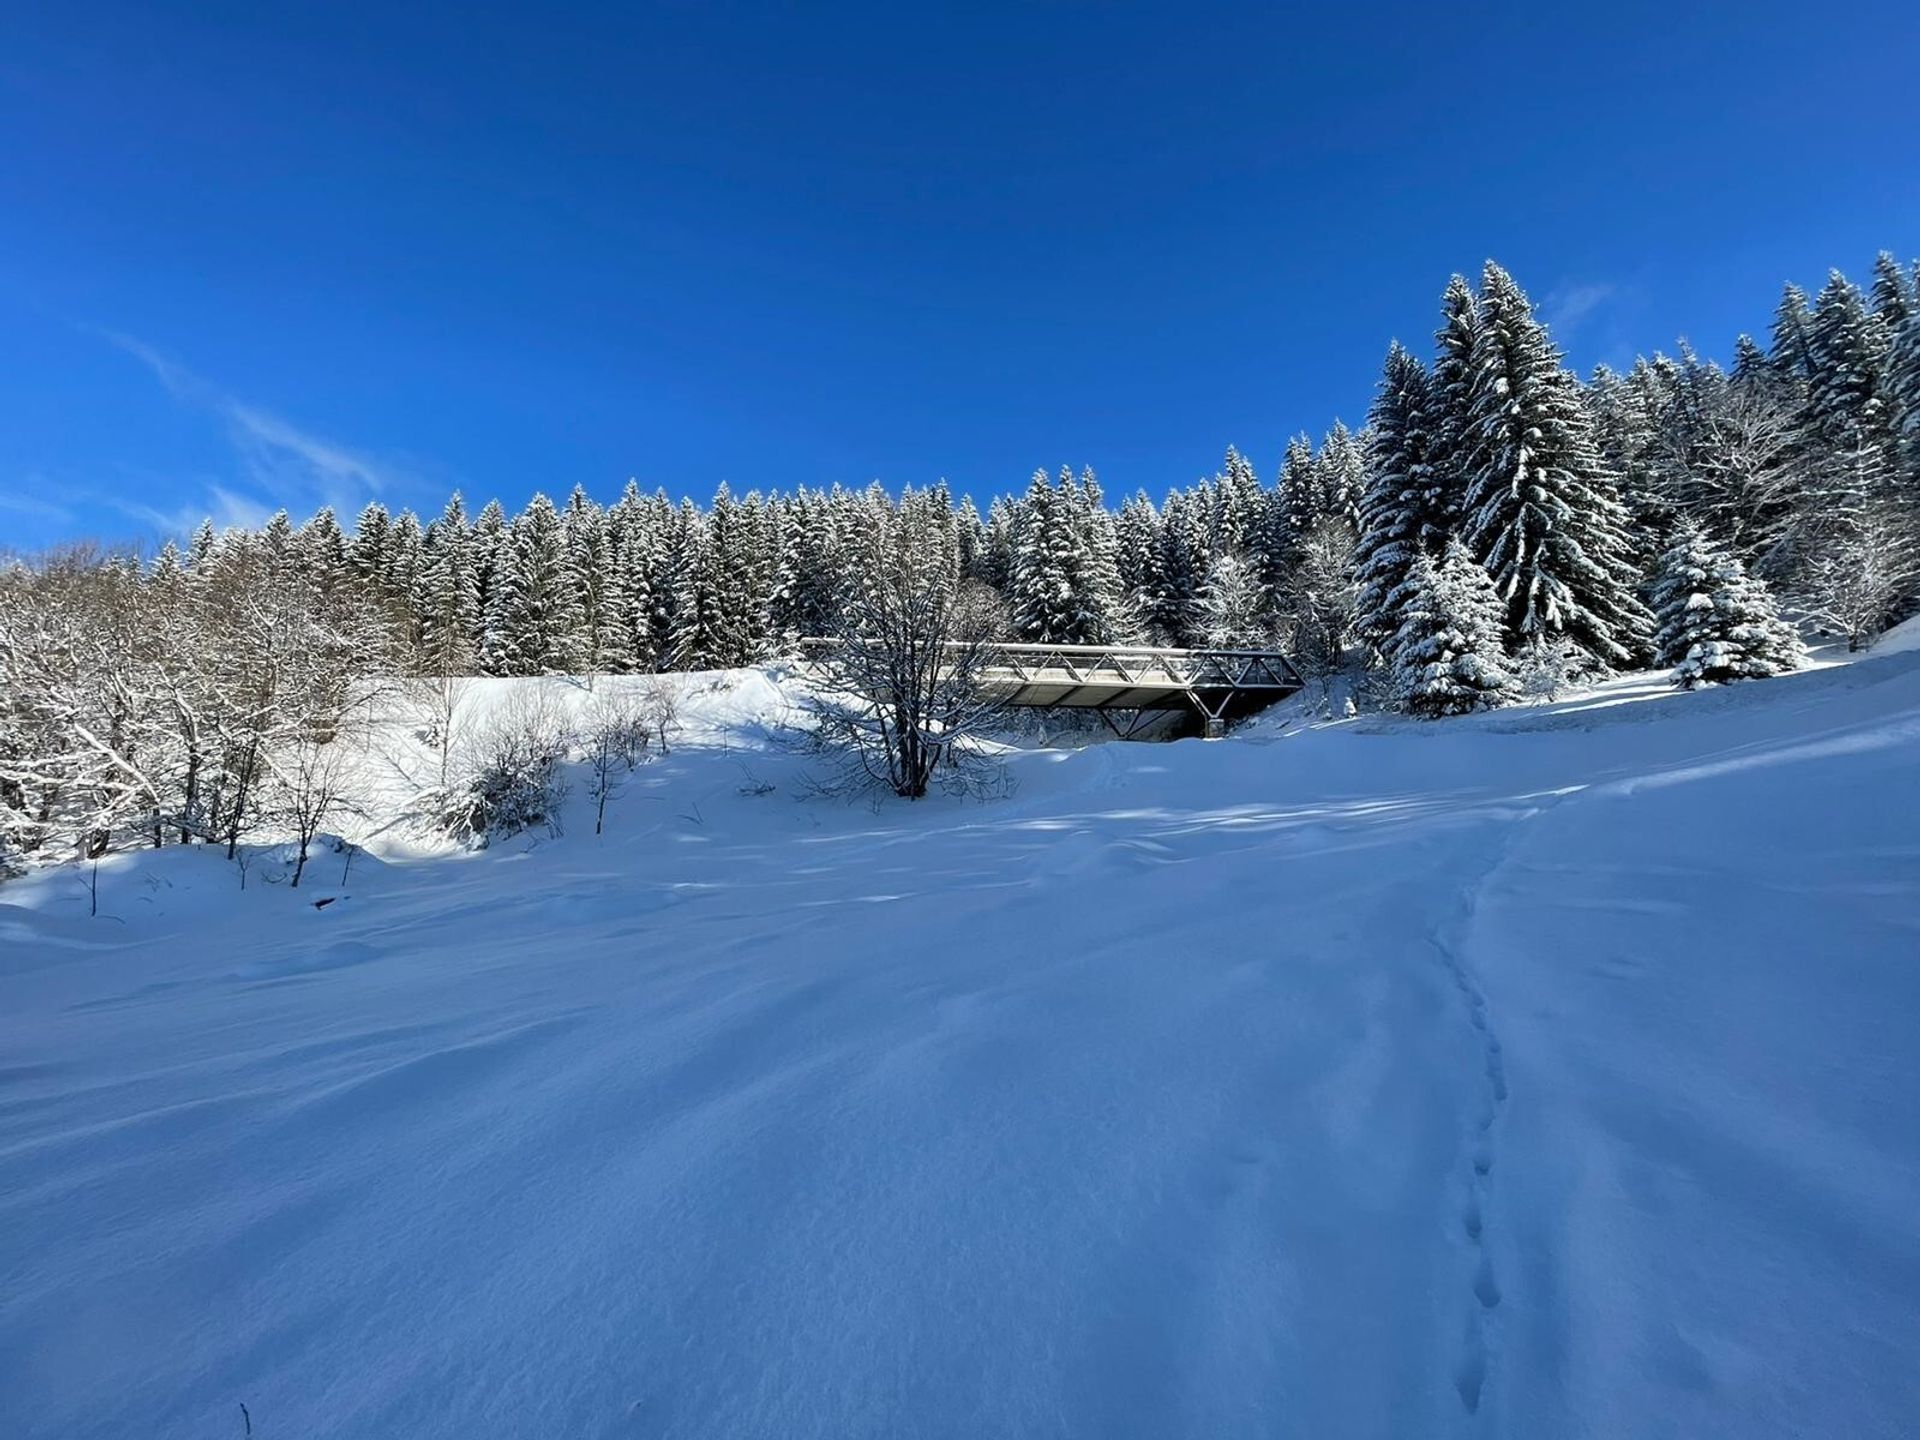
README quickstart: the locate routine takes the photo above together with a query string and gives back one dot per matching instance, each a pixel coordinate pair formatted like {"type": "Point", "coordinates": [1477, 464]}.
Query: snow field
{"type": "Point", "coordinates": [1550, 1072]}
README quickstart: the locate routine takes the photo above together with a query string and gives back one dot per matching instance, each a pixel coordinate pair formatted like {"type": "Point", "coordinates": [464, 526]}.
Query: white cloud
{"type": "Point", "coordinates": [1569, 306]}
{"type": "Point", "coordinates": [280, 465]}
{"type": "Point", "coordinates": [33, 507]}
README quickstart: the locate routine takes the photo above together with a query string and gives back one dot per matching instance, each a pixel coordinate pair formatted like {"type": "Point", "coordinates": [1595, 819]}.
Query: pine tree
{"type": "Point", "coordinates": [1296, 499]}
{"type": "Point", "coordinates": [1339, 478]}
{"type": "Point", "coordinates": [487, 553]}
{"type": "Point", "coordinates": [1404, 510]}
{"type": "Point", "coordinates": [1717, 623]}
{"type": "Point", "coordinates": [1448, 656]}
{"type": "Point", "coordinates": [538, 596]}
{"type": "Point", "coordinates": [1241, 502]}
{"type": "Point", "coordinates": [368, 552]}
{"type": "Point", "coordinates": [1050, 587]}
{"type": "Point", "coordinates": [1542, 515]}
{"type": "Point", "coordinates": [406, 546]}
{"type": "Point", "coordinates": [1107, 616]}
{"type": "Point", "coordinates": [200, 549]}
{"type": "Point", "coordinates": [634, 545]}
{"type": "Point", "coordinates": [1848, 403]}
{"type": "Point", "coordinates": [1792, 350]}
{"type": "Point", "coordinates": [323, 549]}
{"type": "Point", "coordinates": [1455, 450]}
{"type": "Point", "coordinates": [447, 595]}
{"type": "Point", "coordinates": [598, 640]}
{"type": "Point", "coordinates": [1894, 300]}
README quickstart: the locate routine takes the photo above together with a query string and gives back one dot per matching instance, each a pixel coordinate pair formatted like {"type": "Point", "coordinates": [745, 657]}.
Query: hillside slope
{"type": "Point", "coordinates": [1550, 1073]}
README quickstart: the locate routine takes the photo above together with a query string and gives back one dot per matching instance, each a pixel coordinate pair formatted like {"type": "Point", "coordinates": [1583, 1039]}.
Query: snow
{"type": "Point", "coordinates": [1546, 1072]}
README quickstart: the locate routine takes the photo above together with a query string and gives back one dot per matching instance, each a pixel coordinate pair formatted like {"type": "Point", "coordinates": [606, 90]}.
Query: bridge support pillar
{"type": "Point", "coordinates": [1216, 729]}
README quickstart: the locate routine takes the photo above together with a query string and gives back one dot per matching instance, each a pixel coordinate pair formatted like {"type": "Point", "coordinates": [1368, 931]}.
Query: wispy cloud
{"type": "Point", "coordinates": [1568, 307]}
{"type": "Point", "coordinates": [222, 506]}
{"type": "Point", "coordinates": [34, 508]}
{"type": "Point", "coordinates": [280, 464]}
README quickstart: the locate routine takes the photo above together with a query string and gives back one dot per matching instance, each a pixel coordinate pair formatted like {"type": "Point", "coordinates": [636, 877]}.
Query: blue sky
{"type": "Point", "coordinates": [262, 255]}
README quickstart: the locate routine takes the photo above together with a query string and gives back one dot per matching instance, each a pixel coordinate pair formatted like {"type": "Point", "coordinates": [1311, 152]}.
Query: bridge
{"type": "Point", "coordinates": [1210, 685]}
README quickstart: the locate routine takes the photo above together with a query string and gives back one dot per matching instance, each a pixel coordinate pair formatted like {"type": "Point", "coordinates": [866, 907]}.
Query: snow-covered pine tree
{"type": "Point", "coordinates": [1240, 502]}
{"type": "Point", "coordinates": [446, 597]}
{"type": "Point", "coordinates": [367, 551]}
{"type": "Point", "coordinates": [1045, 563]}
{"type": "Point", "coordinates": [696, 640]}
{"type": "Point", "coordinates": [1339, 477]}
{"type": "Point", "coordinates": [1454, 452]}
{"type": "Point", "coordinates": [406, 545]}
{"type": "Point", "coordinates": [597, 638]}
{"type": "Point", "coordinates": [1172, 617]}
{"type": "Point", "coordinates": [1404, 510]}
{"type": "Point", "coordinates": [1542, 514]}
{"type": "Point", "coordinates": [323, 549]}
{"type": "Point", "coordinates": [1143, 577]}
{"type": "Point", "coordinates": [1107, 616]}
{"type": "Point", "coordinates": [200, 548]}
{"type": "Point", "coordinates": [1792, 337]}
{"type": "Point", "coordinates": [1449, 656]}
{"type": "Point", "coordinates": [539, 595]}
{"type": "Point", "coordinates": [487, 551]}
{"type": "Point", "coordinates": [1903, 380]}
{"type": "Point", "coordinates": [633, 554]}
{"type": "Point", "coordinates": [970, 532]}
{"type": "Point", "coordinates": [1717, 623]}
{"type": "Point", "coordinates": [1849, 406]}
{"type": "Point", "coordinates": [1627, 411]}
{"type": "Point", "coordinates": [1296, 499]}
{"type": "Point", "coordinates": [1894, 300]}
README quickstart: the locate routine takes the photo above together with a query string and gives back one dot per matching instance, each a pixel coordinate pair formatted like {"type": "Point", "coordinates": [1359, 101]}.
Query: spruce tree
{"type": "Point", "coordinates": [447, 596]}
{"type": "Point", "coordinates": [1894, 300]}
{"type": "Point", "coordinates": [1454, 450]}
{"type": "Point", "coordinates": [1717, 623]}
{"type": "Point", "coordinates": [1848, 402]}
{"type": "Point", "coordinates": [1448, 656]}
{"type": "Point", "coordinates": [368, 552]}
{"type": "Point", "coordinates": [1542, 514]}
{"type": "Point", "coordinates": [1339, 478]}
{"type": "Point", "coordinates": [1296, 498]}
{"type": "Point", "coordinates": [539, 605]}
{"type": "Point", "coordinates": [1404, 510]}
{"type": "Point", "coordinates": [1792, 350]}
{"type": "Point", "coordinates": [487, 552]}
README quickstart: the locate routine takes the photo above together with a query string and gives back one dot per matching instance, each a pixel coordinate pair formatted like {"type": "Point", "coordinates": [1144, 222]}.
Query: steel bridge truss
{"type": "Point", "coordinates": [1212, 683]}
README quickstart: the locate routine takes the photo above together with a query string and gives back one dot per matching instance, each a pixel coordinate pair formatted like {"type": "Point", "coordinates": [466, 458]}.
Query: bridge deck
{"type": "Point", "coordinates": [1138, 677]}
{"type": "Point", "coordinates": [1211, 682]}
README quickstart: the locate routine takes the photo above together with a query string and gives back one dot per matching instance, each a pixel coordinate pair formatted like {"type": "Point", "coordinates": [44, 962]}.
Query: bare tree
{"type": "Point", "coordinates": [1858, 580]}
{"type": "Point", "coordinates": [901, 685]}
{"type": "Point", "coordinates": [1316, 599]}
{"type": "Point", "coordinates": [615, 740]}
{"type": "Point", "coordinates": [660, 705]}
{"type": "Point", "coordinates": [312, 783]}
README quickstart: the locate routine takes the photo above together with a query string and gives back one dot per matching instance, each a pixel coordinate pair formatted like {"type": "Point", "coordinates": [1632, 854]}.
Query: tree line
{"type": "Point", "coordinates": [1498, 526]}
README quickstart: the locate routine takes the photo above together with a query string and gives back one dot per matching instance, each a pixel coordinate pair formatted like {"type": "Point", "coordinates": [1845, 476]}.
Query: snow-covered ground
{"type": "Point", "coordinates": [1549, 1073]}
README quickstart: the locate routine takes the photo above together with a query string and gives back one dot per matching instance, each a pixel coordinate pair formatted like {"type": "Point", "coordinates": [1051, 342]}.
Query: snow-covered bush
{"type": "Point", "coordinates": [513, 778]}
{"type": "Point", "coordinates": [1717, 623]}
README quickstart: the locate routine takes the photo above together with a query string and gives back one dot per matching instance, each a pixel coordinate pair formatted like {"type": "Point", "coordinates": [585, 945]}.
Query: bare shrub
{"type": "Point", "coordinates": [615, 736]}
{"type": "Point", "coordinates": [513, 775]}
